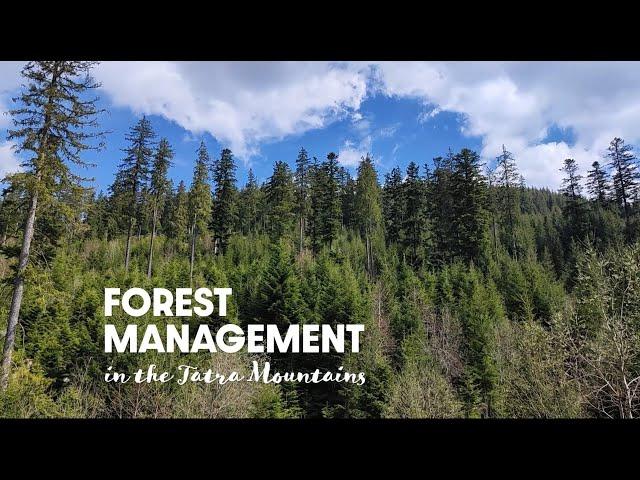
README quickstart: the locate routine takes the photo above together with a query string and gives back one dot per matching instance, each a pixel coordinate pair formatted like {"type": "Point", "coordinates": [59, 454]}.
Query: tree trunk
{"type": "Point", "coordinates": [153, 234]}
{"type": "Point", "coordinates": [18, 290]}
{"type": "Point", "coordinates": [127, 254]}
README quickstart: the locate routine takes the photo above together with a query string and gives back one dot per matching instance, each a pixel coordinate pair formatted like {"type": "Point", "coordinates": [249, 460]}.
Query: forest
{"type": "Point", "coordinates": [482, 297]}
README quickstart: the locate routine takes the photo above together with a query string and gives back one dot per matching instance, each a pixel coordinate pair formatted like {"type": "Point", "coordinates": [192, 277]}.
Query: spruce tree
{"type": "Point", "coordinates": [199, 200]}
{"type": "Point", "coordinates": [469, 207]}
{"type": "Point", "coordinates": [393, 206]}
{"type": "Point", "coordinates": [574, 210]}
{"type": "Point", "coordinates": [53, 123]}
{"type": "Point", "coordinates": [441, 206]}
{"type": "Point", "coordinates": [598, 184]}
{"type": "Point", "coordinates": [332, 211]}
{"type": "Point", "coordinates": [280, 195]}
{"type": "Point", "coordinates": [622, 162]}
{"type": "Point", "coordinates": [133, 175]}
{"type": "Point", "coordinates": [414, 224]}
{"type": "Point", "coordinates": [326, 208]}
{"type": "Point", "coordinates": [159, 190]}
{"type": "Point", "coordinates": [224, 200]}
{"type": "Point", "coordinates": [348, 202]}
{"type": "Point", "coordinates": [368, 208]}
{"type": "Point", "coordinates": [302, 183]}
{"type": "Point", "coordinates": [179, 223]}
{"type": "Point", "coordinates": [248, 206]}
{"type": "Point", "coordinates": [508, 181]}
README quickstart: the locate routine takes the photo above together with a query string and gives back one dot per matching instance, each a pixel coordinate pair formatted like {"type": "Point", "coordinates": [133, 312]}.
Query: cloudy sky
{"type": "Point", "coordinates": [543, 112]}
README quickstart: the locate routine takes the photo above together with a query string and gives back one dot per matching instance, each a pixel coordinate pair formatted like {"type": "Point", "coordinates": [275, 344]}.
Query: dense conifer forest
{"type": "Point", "coordinates": [481, 296]}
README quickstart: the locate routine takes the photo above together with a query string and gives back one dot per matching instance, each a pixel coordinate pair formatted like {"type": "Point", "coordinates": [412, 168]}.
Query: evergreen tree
{"type": "Point", "coordinates": [199, 200]}
{"type": "Point", "coordinates": [492, 206]}
{"type": "Point", "coordinates": [10, 213]}
{"type": "Point", "coordinates": [159, 190]}
{"type": "Point", "coordinates": [441, 205]}
{"type": "Point", "coordinates": [326, 208]}
{"type": "Point", "coordinates": [280, 195]}
{"type": "Point", "coordinates": [393, 206]}
{"type": "Point", "coordinates": [133, 175]}
{"type": "Point", "coordinates": [469, 207]}
{"type": "Point", "coordinates": [302, 183]}
{"type": "Point", "coordinates": [368, 208]}
{"type": "Point", "coordinates": [574, 208]}
{"type": "Point", "coordinates": [598, 184]}
{"type": "Point", "coordinates": [54, 122]}
{"type": "Point", "coordinates": [179, 223]}
{"type": "Point", "coordinates": [414, 224]}
{"type": "Point", "coordinates": [348, 202]}
{"type": "Point", "coordinates": [625, 175]}
{"type": "Point", "coordinates": [224, 200]}
{"type": "Point", "coordinates": [508, 181]}
{"type": "Point", "coordinates": [249, 205]}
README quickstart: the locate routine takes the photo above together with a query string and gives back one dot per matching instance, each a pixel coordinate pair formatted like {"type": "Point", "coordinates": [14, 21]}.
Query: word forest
{"type": "Point", "coordinates": [229, 338]}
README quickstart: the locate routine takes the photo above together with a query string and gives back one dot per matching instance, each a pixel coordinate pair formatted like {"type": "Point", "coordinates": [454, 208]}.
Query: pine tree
{"type": "Point", "coordinates": [54, 123]}
{"type": "Point", "coordinates": [302, 183]}
{"type": "Point", "coordinates": [393, 206]}
{"type": "Point", "coordinates": [625, 174]}
{"type": "Point", "coordinates": [508, 181]}
{"type": "Point", "coordinates": [133, 175]}
{"type": "Point", "coordinates": [280, 195]}
{"type": "Point", "coordinates": [598, 184]}
{"type": "Point", "coordinates": [159, 190]}
{"type": "Point", "coordinates": [368, 208]}
{"type": "Point", "coordinates": [224, 200]}
{"type": "Point", "coordinates": [469, 207]}
{"type": "Point", "coordinates": [199, 200]}
{"type": "Point", "coordinates": [414, 224]}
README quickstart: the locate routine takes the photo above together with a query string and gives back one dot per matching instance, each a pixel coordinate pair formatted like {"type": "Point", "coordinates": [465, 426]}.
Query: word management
{"type": "Point", "coordinates": [230, 338]}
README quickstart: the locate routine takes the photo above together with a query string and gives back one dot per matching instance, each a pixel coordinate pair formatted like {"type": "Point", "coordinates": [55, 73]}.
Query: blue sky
{"type": "Point", "coordinates": [397, 111]}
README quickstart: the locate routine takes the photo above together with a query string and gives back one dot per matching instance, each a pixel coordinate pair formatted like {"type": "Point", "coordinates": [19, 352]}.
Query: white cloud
{"type": "Point", "coordinates": [351, 153]}
{"type": "Point", "coordinates": [239, 103]}
{"type": "Point", "coordinates": [244, 104]}
{"type": "Point", "coordinates": [9, 162]}
{"type": "Point", "coordinates": [515, 103]}
{"type": "Point", "coordinates": [9, 81]}
{"type": "Point", "coordinates": [389, 131]}
{"type": "Point", "coordinates": [427, 115]}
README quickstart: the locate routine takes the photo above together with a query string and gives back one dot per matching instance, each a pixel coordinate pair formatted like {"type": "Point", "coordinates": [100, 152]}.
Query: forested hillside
{"type": "Point", "coordinates": [481, 296]}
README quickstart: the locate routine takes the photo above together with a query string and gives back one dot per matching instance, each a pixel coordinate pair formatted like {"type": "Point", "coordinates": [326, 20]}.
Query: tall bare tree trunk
{"type": "Point", "coordinates": [18, 290]}
{"type": "Point", "coordinates": [153, 234]}
{"type": "Point", "coordinates": [127, 254]}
